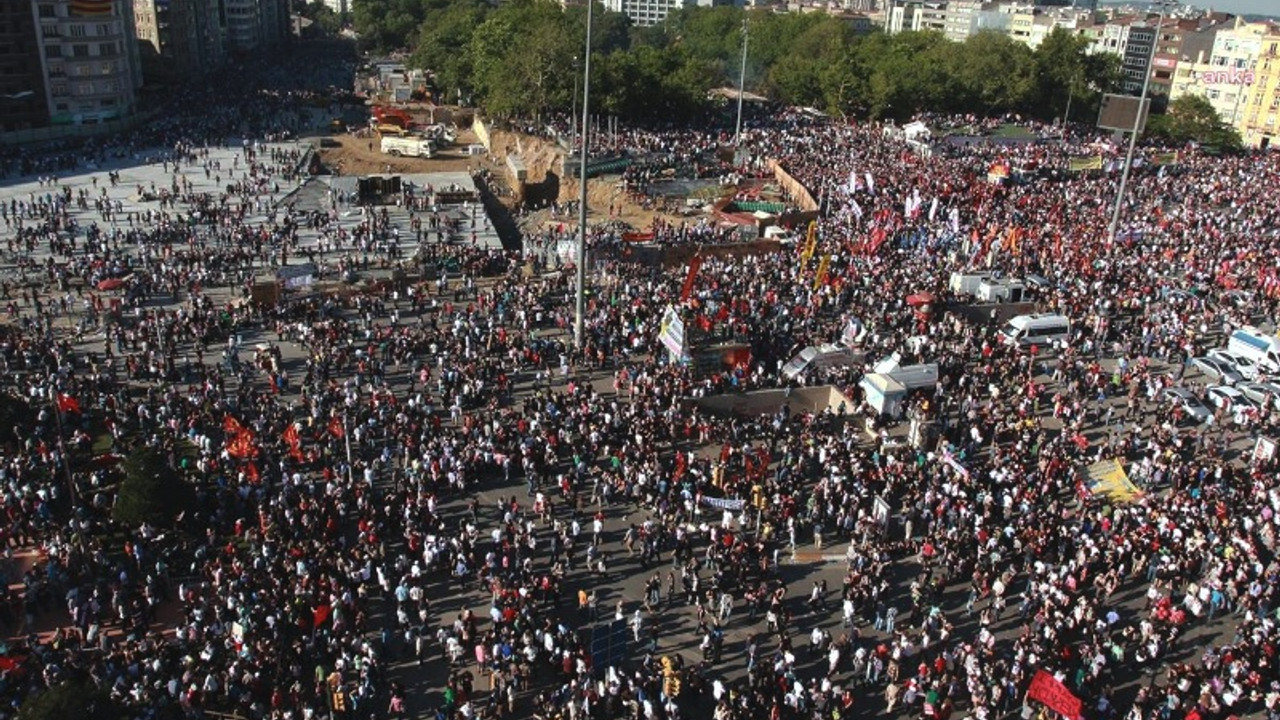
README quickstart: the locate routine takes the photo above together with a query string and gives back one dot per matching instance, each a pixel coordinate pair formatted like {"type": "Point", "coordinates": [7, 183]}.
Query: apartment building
{"type": "Point", "coordinates": [23, 103]}
{"type": "Point", "coordinates": [1226, 76]}
{"type": "Point", "coordinates": [254, 24]}
{"type": "Point", "coordinates": [178, 39]}
{"type": "Point", "coordinates": [91, 65]}
{"type": "Point", "coordinates": [1260, 119]}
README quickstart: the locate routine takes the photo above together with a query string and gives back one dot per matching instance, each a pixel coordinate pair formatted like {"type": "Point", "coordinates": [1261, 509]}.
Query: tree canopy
{"type": "Point", "coordinates": [522, 58]}
{"type": "Point", "coordinates": [151, 492]}
{"type": "Point", "coordinates": [1192, 118]}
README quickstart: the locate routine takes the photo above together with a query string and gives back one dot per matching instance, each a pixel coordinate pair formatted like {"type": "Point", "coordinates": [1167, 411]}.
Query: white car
{"type": "Point", "coordinates": [1190, 404]}
{"type": "Point", "coordinates": [1232, 401]}
{"type": "Point", "coordinates": [1261, 393]}
{"type": "Point", "coordinates": [1218, 370]}
{"type": "Point", "coordinates": [1247, 368]}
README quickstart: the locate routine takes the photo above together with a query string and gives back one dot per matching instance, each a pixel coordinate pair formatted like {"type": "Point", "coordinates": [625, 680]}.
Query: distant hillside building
{"type": "Point", "coordinates": [653, 12]}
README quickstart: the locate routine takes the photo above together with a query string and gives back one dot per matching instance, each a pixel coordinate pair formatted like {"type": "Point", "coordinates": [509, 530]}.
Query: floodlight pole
{"type": "Point", "coordinates": [1137, 125]}
{"type": "Point", "coordinates": [742, 86]}
{"type": "Point", "coordinates": [580, 303]}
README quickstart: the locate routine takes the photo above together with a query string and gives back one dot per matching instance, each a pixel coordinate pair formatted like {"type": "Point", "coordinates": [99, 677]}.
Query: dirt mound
{"type": "Point", "coordinates": [360, 155]}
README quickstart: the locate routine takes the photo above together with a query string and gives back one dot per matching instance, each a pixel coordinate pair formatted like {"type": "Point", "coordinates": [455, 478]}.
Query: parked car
{"type": "Point", "coordinates": [1259, 392]}
{"type": "Point", "coordinates": [1247, 368]}
{"type": "Point", "coordinates": [1231, 400]}
{"type": "Point", "coordinates": [1189, 404]}
{"type": "Point", "coordinates": [1216, 370]}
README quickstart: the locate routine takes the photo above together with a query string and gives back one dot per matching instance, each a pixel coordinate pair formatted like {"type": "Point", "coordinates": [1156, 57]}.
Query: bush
{"type": "Point", "coordinates": [151, 492]}
{"type": "Point", "coordinates": [72, 699]}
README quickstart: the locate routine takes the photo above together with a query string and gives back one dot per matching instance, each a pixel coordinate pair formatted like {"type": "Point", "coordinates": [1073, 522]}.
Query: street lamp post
{"type": "Point", "coordinates": [742, 86]}
{"type": "Point", "coordinates": [1137, 125]}
{"type": "Point", "coordinates": [573, 114]}
{"type": "Point", "coordinates": [580, 303]}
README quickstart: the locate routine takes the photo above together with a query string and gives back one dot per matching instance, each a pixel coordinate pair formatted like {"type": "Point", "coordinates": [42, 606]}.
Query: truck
{"type": "Point", "coordinates": [411, 147]}
{"type": "Point", "coordinates": [1006, 290]}
{"type": "Point", "coordinates": [818, 357]}
{"type": "Point", "coordinates": [1254, 344]}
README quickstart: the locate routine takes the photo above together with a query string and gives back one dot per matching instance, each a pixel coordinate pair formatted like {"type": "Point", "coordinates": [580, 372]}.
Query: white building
{"type": "Point", "coordinates": [91, 66]}
{"type": "Point", "coordinates": [1226, 77]}
{"type": "Point", "coordinates": [653, 12]}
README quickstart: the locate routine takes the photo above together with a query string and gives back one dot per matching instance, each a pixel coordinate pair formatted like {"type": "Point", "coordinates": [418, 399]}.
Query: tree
{"type": "Point", "coordinates": [1192, 118]}
{"type": "Point", "coordinates": [151, 492]}
{"type": "Point", "coordinates": [71, 699]}
{"type": "Point", "coordinates": [1067, 74]}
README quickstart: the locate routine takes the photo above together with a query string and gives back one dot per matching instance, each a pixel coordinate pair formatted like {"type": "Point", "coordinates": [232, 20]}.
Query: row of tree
{"type": "Point", "coordinates": [522, 58]}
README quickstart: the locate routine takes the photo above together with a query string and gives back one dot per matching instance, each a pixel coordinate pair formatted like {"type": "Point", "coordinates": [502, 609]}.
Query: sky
{"type": "Point", "coordinates": [1244, 7]}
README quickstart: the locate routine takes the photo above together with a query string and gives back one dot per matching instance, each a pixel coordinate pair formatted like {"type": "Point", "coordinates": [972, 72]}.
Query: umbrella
{"type": "Point", "coordinates": [110, 284]}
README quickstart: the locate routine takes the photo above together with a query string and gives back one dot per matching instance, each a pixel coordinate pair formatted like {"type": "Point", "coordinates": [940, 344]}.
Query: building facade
{"type": "Point", "coordinates": [653, 12]}
{"type": "Point", "coordinates": [91, 66]}
{"type": "Point", "coordinates": [1226, 77]}
{"type": "Point", "coordinates": [23, 103]}
{"type": "Point", "coordinates": [254, 24]}
{"type": "Point", "coordinates": [1260, 122]}
{"type": "Point", "coordinates": [178, 39]}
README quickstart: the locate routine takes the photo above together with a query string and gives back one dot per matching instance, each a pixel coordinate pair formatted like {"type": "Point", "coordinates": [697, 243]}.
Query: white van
{"type": "Point", "coordinates": [409, 146]}
{"type": "Point", "coordinates": [1262, 349]}
{"type": "Point", "coordinates": [1041, 329]}
{"type": "Point", "coordinates": [817, 357]}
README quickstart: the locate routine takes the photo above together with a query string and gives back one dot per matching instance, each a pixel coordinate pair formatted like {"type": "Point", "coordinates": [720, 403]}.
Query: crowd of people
{"type": "Point", "coordinates": [430, 475]}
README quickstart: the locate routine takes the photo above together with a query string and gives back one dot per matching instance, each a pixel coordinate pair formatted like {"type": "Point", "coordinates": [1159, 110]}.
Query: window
{"type": "Point", "coordinates": [76, 31]}
{"type": "Point", "coordinates": [108, 67]}
{"type": "Point", "coordinates": [107, 48]}
{"type": "Point", "coordinates": [58, 90]}
{"type": "Point", "coordinates": [82, 71]}
{"type": "Point", "coordinates": [46, 11]}
{"type": "Point", "coordinates": [104, 30]}
{"type": "Point", "coordinates": [80, 50]}
{"type": "Point", "coordinates": [53, 51]}
{"type": "Point", "coordinates": [85, 88]}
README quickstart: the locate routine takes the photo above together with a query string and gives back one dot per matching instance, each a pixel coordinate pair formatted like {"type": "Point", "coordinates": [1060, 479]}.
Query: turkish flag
{"type": "Point", "coordinates": [335, 427]}
{"type": "Point", "coordinates": [66, 403]}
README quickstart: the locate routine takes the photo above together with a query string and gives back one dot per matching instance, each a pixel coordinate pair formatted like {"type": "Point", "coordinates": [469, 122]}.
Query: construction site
{"type": "Point", "coordinates": [399, 131]}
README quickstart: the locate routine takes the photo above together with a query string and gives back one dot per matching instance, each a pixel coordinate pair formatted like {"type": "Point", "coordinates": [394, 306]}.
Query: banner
{"type": "Point", "coordinates": [1167, 158]}
{"type": "Point", "coordinates": [723, 503]}
{"type": "Point", "coordinates": [1108, 479]}
{"type": "Point", "coordinates": [1046, 689]}
{"type": "Point", "coordinates": [695, 264]}
{"type": "Point", "coordinates": [90, 8]}
{"type": "Point", "coordinates": [810, 244]}
{"type": "Point", "coordinates": [1085, 163]}
{"type": "Point", "coordinates": [821, 276]}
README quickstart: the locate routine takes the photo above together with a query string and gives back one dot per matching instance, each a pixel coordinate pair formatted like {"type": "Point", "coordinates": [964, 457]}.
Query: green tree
{"type": "Point", "coordinates": [442, 46]}
{"type": "Point", "coordinates": [71, 699]}
{"type": "Point", "coordinates": [151, 492]}
{"type": "Point", "coordinates": [1192, 118]}
{"type": "Point", "coordinates": [995, 73]}
{"type": "Point", "coordinates": [1067, 74]}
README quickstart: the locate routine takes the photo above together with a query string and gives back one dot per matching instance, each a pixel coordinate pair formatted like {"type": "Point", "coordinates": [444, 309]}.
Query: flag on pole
{"type": "Point", "coordinates": [857, 209]}
{"type": "Point", "coordinates": [335, 427]}
{"type": "Point", "coordinates": [871, 184]}
{"type": "Point", "coordinates": [695, 264]}
{"type": "Point", "coordinates": [810, 243]}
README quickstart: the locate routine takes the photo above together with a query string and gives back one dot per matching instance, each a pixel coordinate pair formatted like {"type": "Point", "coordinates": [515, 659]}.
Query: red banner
{"type": "Point", "coordinates": [1046, 689]}
{"type": "Point", "coordinates": [695, 264]}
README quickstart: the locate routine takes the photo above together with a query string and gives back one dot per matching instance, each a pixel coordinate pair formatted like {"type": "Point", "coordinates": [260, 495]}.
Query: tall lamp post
{"type": "Point", "coordinates": [580, 304]}
{"type": "Point", "coordinates": [1137, 126]}
{"type": "Point", "coordinates": [742, 86]}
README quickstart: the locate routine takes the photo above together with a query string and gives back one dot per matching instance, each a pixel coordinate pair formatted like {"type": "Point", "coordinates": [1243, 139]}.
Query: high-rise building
{"type": "Point", "coordinates": [178, 39]}
{"type": "Point", "coordinates": [254, 24]}
{"type": "Point", "coordinates": [91, 67]}
{"type": "Point", "coordinates": [23, 103]}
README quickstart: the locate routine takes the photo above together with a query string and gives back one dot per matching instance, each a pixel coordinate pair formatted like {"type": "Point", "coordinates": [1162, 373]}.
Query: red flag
{"type": "Point", "coordinates": [320, 614]}
{"type": "Point", "coordinates": [66, 403]}
{"type": "Point", "coordinates": [291, 436]}
{"type": "Point", "coordinates": [1055, 695]}
{"type": "Point", "coordinates": [335, 427]}
{"type": "Point", "coordinates": [231, 426]}
{"type": "Point", "coordinates": [695, 264]}
{"type": "Point", "coordinates": [251, 472]}
{"type": "Point", "coordinates": [242, 446]}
